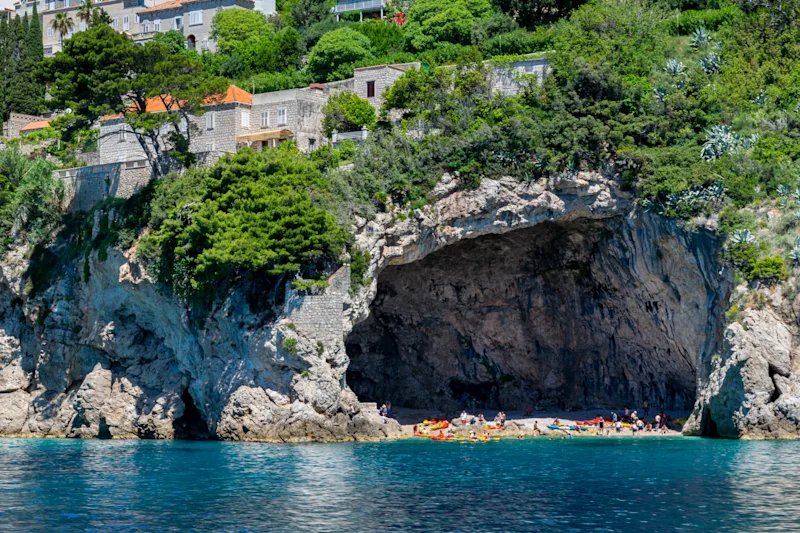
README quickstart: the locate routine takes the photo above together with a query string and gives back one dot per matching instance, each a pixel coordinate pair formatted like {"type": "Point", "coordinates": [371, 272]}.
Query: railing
{"type": "Point", "coordinates": [360, 135]}
{"type": "Point", "coordinates": [362, 5]}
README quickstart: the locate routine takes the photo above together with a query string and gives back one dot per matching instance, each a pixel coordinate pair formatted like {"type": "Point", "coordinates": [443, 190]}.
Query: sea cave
{"type": "Point", "coordinates": [568, 315]}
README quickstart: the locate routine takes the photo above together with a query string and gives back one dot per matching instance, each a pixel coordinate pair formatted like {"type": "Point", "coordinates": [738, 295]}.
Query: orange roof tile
{"type": "Point", "coordinates": [170, 4]}
{"type": "Point", "coordinates": [157, 104]}
{"type": "Point", "coordinates": [35, 125]}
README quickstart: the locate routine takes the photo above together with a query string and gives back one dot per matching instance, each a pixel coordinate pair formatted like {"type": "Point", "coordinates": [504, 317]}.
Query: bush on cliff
{"type": "Point", "coordinates": [250, 215]}
{"type": "Point", "coordinates": [30, 198]}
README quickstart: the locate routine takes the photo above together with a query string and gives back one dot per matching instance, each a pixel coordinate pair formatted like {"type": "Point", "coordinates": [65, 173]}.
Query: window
{"type": "Point", "coordinates": [311, 144]}
{"type": "Point", "coordinates": [50, 32]}
{"type": "Point", "coordinates": [264, 119]}
{"type": "Point", "coordinates": [195, 17]}
{"type": "Point", "coordinates": [114, 22]}
{"type": "Point", "coordinates": [281, 117]}
{"type": "Point", "coordinates": [210, 146]}
{"type": "Point", "coordinates": [126, 23]}
{"type": "Point", "coordinates": [210, 120]}
{"type": "Point", "coordinates": [245, 119]}
{"type": "Point", "coordinates": [138, 20]}
{"type": "Point", "coordinates": [370, 89]}
{"type": "Point", "coordinates": [204, 44]}
{"type": "Point", "coordinates": [122, 133]}
{"type": "Point", "coordinates": [178, 24]}
{"type": "Point", "coordinates": [83, 26]}
{"type": "Point", "coordinates": [156, 25]}
{"type": "Point", "coordinates": [146, 27]}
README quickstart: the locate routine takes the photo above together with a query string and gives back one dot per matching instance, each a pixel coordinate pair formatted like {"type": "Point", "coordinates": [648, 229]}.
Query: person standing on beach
{"type": "Point", "coordinates": [658, 421]}
{"type": "Point", "coordinates": [464, 417]}
{"type": "Point", "coordinates": [601, 425]}
{"type": "Point", "coordinates": [619, 426]}
{"type": "Point", "coordinates": [614, 418]}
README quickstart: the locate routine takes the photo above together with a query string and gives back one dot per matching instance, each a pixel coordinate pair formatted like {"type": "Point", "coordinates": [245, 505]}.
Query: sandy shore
{"type": "Point", "coordinates": [524, 424]}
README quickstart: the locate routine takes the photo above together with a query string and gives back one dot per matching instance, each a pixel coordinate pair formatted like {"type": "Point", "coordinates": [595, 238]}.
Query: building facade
{"type": "Point", "coordinates": [190, 17]}
{"type": "Point", "coordinates": [141, 19]}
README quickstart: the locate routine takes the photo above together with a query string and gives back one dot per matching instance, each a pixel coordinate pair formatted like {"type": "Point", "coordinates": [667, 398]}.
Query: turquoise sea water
{"type": "Point", "coordinates": [589, 484]}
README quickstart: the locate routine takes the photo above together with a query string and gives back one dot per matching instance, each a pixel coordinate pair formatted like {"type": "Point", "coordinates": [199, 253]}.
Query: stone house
{"type": "Point", "coordinates": [211, 134]}
{"type": "Point", "coordinates": [122, 12]}
{"type": "Point", "coordinates": [19, 123]}
{"type": "Point", "coordinates": [190, 17]}
{"type": "Point", "coordinates": [283, 115]}
{"type": "Point", "coordinates": [370, 83]}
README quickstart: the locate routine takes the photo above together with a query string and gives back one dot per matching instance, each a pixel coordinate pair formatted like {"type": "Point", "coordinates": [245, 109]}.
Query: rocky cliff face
{"type": "Point", "coordinates": [751, 389]}
{"type": "Point", "coordinates": [111, 357]}
{"type": "Point", "coordinates": [572, 300]}
{"type": "Point", "coordinates": [558, 293]}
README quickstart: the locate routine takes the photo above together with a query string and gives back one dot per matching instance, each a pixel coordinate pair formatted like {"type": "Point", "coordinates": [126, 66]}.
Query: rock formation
{"type": "Point", "coordinates": [566, 297]}
{"type": "Point", "coordinates": [555, 293]}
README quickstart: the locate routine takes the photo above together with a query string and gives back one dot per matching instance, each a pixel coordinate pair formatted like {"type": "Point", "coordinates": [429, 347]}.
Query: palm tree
{"type": "Point", "coordinates": [63, 24]}
{"type": "Point", "coordinates": [84, 13]}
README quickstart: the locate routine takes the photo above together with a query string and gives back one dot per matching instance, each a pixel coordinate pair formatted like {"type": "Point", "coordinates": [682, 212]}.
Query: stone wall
{"type": "Point", "coordinates": [512, 79]}
{"type": "Point", "coordinates": [85, 186]}
{"type": "Point", "coordinates": [319, 316]}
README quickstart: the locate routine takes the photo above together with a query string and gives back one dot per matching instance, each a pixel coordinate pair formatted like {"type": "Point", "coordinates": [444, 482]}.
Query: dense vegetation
{"type": "Point", "coordinates": [21, 55]}
{"type": "Point", "coordinates": [695, 106]}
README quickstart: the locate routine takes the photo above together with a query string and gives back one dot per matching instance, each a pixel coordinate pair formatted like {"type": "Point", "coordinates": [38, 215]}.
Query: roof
{"type": "Point", "coordinates": [35, 125]}
{"type": "Point", "coordinates": [169, 4]}
{"type": "Point", "coordinates": [157, 104]}
{"type": "Point", "coordinates": [175, 4]}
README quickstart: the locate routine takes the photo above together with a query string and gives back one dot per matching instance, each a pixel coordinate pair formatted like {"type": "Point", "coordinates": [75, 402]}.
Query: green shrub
{"type": "Point", "coordinates": [289, 344]}
{"type": "Point", "coordinates": [768, 270]}
{"type": "Point", "coordinates": [346, 111]}
{"type": "Point", "coordinates": [359, 261]}
{"type": "Point", "coordinates": [711, 19]}
{"type": "Point", "coordinates": [518, 42]}
{"type": "Point", "coordinates": [732, 219]}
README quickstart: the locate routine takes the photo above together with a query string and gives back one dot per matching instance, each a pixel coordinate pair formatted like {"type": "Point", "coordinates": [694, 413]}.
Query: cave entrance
{"type": "Point", "coordinates": [565, 315]}
{"type": "Point", "coordinates": [191, 425]}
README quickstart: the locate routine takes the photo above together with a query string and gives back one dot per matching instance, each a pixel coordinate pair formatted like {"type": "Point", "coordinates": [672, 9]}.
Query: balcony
{"type": "Point", "coordinates": [348, 6]}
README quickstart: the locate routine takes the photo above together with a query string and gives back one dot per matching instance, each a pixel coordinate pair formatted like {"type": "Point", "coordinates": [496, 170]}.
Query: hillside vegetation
{"type": "Point", "coordinates": [695, 106]}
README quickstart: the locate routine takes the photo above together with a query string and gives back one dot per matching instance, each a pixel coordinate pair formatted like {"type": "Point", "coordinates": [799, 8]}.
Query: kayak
{"type": "Point", "coordinates": [444, 424]}
{"type": "Point", "coordinates": [493, 428]}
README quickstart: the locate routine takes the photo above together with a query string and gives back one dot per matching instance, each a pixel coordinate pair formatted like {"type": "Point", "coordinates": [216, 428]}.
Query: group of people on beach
{"type": "Point", "coordinates": [636, 424]}
{"type": "Point", "coordinates": [499, 420]}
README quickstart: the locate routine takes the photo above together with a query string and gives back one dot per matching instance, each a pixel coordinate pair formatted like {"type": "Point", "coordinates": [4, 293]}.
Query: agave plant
{"type": "Point", "coordinates": [710, 63]}
{"type": "Point", "coordinates": [720, 140]}
{"type": "Point", "coordinates": [796, 241]}
{"type": "Point", "coordinates": [742, 236]}
{"type": "Point", "coordinates": [782, 190]}
{"type": "Point", "coordinates": [794, 255]}
{"type": "Point", "coordinates": [784, 203]}
{"type": "Point", "coordinates": [761, 98]}
{"type": "Point", "coordinates": [660, 93]}
{"type": "Point", "coordinates": [701, 37]}
{"type": "Point", "coordinates": [796, 194]}
{"type": "Point", "coordinates": [674, 67]}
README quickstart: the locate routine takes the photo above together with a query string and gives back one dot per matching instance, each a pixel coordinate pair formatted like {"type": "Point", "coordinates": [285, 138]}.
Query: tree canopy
{"type": "Point", "coordinates": [333, 57]}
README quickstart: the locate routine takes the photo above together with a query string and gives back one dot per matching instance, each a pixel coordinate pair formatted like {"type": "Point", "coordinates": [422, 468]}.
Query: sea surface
{"type": "Point", "coordinates": [586, 484]}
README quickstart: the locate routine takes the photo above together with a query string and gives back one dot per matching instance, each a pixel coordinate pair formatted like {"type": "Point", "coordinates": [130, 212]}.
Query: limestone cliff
{"type": "Point", "coordinates": [555, 293]}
